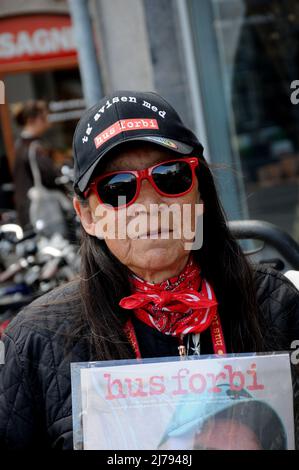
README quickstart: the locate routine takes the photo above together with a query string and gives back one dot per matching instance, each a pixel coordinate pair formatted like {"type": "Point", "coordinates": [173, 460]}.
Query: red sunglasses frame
{"type": "Point", "coordinates": [141, 175]}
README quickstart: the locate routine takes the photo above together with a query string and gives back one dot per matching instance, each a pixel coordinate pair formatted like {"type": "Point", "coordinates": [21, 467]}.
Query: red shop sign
{"type": "Point", "coordinates": [37, 38]}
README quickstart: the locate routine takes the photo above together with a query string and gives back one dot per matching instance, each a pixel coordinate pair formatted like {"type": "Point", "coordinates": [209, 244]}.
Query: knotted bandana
{"type": "Point", "coordinates": [182, 304]}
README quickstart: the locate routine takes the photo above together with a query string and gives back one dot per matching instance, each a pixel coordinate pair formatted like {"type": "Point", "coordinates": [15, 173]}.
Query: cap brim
{"type": "Point", "coordinates": [170, 144]}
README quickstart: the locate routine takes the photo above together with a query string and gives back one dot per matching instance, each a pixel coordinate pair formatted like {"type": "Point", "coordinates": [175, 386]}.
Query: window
{"type": "Point", "coordinates": [256, 46]}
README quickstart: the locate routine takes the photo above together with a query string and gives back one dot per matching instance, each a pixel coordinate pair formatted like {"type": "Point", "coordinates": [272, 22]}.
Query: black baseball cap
{"type": "Point", "coordinates": [125, 116]}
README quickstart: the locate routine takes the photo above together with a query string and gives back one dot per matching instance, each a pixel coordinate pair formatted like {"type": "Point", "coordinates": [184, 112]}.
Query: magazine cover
{"type": "Point", "coordinates": [233, 402]}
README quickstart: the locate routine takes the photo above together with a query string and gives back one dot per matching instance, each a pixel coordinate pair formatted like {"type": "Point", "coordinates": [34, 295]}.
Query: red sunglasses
{"type": "Point", "coordinates": [172, 178]}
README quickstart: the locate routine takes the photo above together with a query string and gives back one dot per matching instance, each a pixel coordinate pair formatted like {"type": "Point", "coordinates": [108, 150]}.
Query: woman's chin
{"type": "Point", "coordinates": [158, 257]}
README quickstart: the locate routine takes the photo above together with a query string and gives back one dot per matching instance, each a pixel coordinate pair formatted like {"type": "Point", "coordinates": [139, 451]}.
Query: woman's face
{"type": "Point", "coordinates": [148, 255]}
{"type": "Point", "coordinates": [40, 124]}
{"type": "Point", "coordinates": [226, 434]}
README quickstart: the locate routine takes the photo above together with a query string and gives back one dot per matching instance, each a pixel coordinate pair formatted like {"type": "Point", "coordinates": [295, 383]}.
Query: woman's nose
{"type": "Point", "coordinates": [148, 194]}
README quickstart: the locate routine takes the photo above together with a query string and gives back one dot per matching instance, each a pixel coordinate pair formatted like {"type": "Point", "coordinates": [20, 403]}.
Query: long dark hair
{"type": "Point", "coordinates": [104, 281]}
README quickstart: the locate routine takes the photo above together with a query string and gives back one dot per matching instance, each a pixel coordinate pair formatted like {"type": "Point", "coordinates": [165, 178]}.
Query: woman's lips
{"type": "Point", "coordinates": [155, 234]}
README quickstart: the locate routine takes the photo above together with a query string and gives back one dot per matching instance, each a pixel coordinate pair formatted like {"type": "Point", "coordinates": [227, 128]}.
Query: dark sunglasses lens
{"type": "Point", "coordinates": [173, 177]}
{"type": "Point", "coordinates": [117, 189]}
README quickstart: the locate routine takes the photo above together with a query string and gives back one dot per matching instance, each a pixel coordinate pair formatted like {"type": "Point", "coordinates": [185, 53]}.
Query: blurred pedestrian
{"type": "Point", "coordinates": [32, 117]}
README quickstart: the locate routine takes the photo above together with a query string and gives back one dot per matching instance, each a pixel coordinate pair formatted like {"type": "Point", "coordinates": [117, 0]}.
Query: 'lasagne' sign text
{"type": "Point", "coordinates": [36, 38]}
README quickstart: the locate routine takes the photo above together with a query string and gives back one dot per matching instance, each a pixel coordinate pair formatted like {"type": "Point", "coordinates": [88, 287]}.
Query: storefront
{"type": "Point", "coordinates": [38, 60]}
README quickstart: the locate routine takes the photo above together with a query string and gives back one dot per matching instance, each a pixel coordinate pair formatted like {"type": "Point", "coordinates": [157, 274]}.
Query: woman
{"type": "Point", "coordinates": [32, 117]}
{"type": "Point", "coordinates": [139, 295]}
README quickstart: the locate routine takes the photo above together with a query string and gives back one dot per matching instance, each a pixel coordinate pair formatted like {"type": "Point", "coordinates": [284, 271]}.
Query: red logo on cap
{"type": "Point", "coordinates": [124, 125]}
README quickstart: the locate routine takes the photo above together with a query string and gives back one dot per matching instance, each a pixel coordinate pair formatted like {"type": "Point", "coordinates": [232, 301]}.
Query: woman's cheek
{"type": "Point", "coordinates": [120, 249]}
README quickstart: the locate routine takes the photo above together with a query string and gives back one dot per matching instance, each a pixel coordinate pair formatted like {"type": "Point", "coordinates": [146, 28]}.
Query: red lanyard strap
{"type": "Point", "coordinates": [216, 334]}
{"type": "Point", "coordinates": [130, 332]}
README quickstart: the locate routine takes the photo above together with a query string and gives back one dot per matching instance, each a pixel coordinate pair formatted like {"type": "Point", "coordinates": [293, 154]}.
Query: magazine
{"type": "Point", "coordinates": [230, 402]}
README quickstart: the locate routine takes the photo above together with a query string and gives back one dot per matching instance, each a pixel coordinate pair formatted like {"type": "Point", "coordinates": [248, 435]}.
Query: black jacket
{"type": "Point", "coordinates": [35, 386]}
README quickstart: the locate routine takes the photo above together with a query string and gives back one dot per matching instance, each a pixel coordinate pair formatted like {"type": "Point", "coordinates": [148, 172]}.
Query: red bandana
{"type": "Point", "coordinates": [174, 307]}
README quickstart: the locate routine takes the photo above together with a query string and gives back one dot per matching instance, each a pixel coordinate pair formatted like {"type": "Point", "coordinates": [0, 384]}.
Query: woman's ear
{"type": "Point", "coordinates": [84, 213]}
